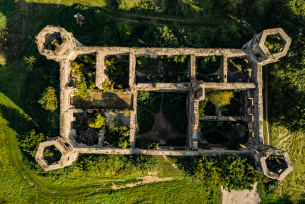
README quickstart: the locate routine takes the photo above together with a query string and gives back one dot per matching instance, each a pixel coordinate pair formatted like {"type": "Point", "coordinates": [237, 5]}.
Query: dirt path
{"type": "Point", "coordinates": [145, 180]}
{"type": "Point", "coordinates": [241, 197]}
{"type": "Point", "coordinates": [174, 165]}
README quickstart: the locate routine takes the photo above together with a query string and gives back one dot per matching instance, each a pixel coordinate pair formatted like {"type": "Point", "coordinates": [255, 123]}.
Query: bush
{"type": "Point", "coordinates": [49, 100]}
{"type": "Point", "coordinates": [121, 132]}
{"type": "Point", "coordinates": [147, 144]}
{"type": "Point", "coordinates": [85, 70]}
{"type": "Point", "coordinates": [237, 173]}
{"type": "Point", "coordinates": [97, 122]}
{"type": "Point", "coordinates": [31, 142]}
{"type": "Point", "coordinates": [232, 172]}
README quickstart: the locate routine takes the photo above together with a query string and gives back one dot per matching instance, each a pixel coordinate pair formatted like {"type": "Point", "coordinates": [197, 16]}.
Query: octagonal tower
{"type": "Point", "coordinates": [258, 51]}
{"type": "Point", "coordinates": [65, 152]}
{"type": "Point", "coordinates": [272, 162]}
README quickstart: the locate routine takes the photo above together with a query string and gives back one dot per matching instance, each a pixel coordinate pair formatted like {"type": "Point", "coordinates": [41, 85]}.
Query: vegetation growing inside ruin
{"type": "Point", "coordinates": [97, 122]}
{"type": "Point", "coordinates": [236, 64]}
{"type": "Point", "coordinates": [222, 99]}
{"type": "Point", "coordinates": [209, 24]}
{"type": "Point", "coordinates": [48, 99]}
{"type": "Point", "coordinates": [86, 126]}
{"type": "Point", "coordinates": [51, 154]}
{"type": "Point", "coordinates": [163, 69]}
{"type": "Point", "coordinates": [230, 134]}
{"type": "Point", "coordinates": [144, 143]}
{"type": "Point", "coordinates": [273, 44]}
{"type": "Point", "coordinates": [118, 71]}
{"type": "Point", "coordinates": [236, 105]}
{"type": "Point", "coordinates": [149, 100]}
{"type": "Point", "coordinates": [146, 120]}
{"type": "Point", "coordinates": [174, 109]}
{"type": "Point", "coordinates": [117, 134]}
{"type": "Point", "coordinates": [276, 163]}
{"type": "Point", "coordinates": [219, 98]}
{"type": "Point", "coordinates": [85, 69]}
{"type": "Point", "coordinates": [207, 68]}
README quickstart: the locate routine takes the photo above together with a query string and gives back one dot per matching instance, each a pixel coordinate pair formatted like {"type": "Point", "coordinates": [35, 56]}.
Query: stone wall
{"type": "Point", "coordinates": [254, 51]}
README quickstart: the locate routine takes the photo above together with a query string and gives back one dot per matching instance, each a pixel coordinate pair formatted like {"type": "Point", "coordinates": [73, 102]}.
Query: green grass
{"type": "Point", "coordinates": [187, 191]}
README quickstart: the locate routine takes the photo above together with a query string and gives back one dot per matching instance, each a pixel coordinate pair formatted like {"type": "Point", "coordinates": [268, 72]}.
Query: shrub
{"type": "Point", "coordinates": [232, 172]}
{"type": "Point", "coordinates": [97, 122]}
{"type": "Point", "coordinates": [144, 143]}
{"type": "Point", "coordinates": [31, 142]}
{"type": "Point", "coordinates": [141, 61]}
{"type": "Point", "coordinates": [117, 129]}
{"type": "Point", "coordinates": [85, 69]}
{"type": "Point", "coordinates": [127, 112]}
{"type": "Point", "coordinates": [49, 100]}
{"type": "Point", "coordinates": [237, 173]}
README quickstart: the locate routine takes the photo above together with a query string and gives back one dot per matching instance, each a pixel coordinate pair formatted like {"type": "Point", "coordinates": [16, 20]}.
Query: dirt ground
{"type": "Point", "coordinates": [241, 197]}
{"type": "Point", "coordinates": [145, 180]}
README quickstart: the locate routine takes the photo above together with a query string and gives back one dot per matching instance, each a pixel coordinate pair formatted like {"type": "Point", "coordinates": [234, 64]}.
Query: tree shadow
{"type": "Point", "coordinates": [17, 121]}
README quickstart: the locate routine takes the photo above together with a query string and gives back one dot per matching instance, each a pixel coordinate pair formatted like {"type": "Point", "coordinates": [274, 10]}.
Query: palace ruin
{"type": "Point", "coordinates": [249, 81]}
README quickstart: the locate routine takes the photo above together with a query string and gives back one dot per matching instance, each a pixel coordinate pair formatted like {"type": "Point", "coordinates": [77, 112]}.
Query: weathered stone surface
{"type": "Point", "coordinates": [260, 156]}
{"type": "Point", "coordinates": [70, 48]}
{"type": "Point", "coordinates": [68, 154]}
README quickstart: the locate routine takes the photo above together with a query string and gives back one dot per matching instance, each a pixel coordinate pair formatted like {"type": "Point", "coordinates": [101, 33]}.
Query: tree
{"type": "Point", "coordinates": [208, 170]}
{"type": "Point", "coordinates": [237, 173]}
{"type": "Point", "coordinates": [49, 99]}
{"type": "Point", "coordinates": [121, 131]}
{"type": "Point", "coordinates": [220, 98]}
{"type": "Point", "coordinates": [31, 142]}
{"type": "Point", "coordinates": [97, 122]}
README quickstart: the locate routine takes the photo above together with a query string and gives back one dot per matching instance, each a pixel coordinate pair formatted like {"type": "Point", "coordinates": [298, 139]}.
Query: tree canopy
{"type": "Point", "coordinates": [49, 99]}
{"type": "Point", "coordinates": [220, 98]}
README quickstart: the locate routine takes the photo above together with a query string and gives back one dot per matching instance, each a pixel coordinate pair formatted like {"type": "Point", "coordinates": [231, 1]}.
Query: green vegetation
{"type": "Point", "coordinates": [146, 120]}
{"type": "Point", "coordinates": [31, 142]}
{"type": "Point", "coordinates": [84, 69]}
{"type": "Point", "coordinates": [51, 154]}
{"type": "Point", "coordinates": [174, 109]}
{"type": "Point", "coordinates": [118, 71]}
{"type": "Point", "coordinates": [149, 100]}
{"type": "Point", "coordinates": [231, 172]}
{"type": "Point", "coordinates": [219, 98]}
{"type": "Point", "coordinates": [273, 44]}
{"type": "Point", "coordinates": [163, 69]}
{"type": "Point", "coordinates": [202, 24]}
{"type": "Point", "coordinates": [231, 134]}
{"type": "Point", "coordinates": [97, 122]}
{"type": "Point", "coordinates": [117, 134]}
{"type": "Point", "coordinates": [147, 144]}
{"type": "Point", "coordinates": [141, 61]}
{"type": "Point", "coordinates": [236, 64]}
{"type": "Point", "coordinates": [202, 105]}
{"type": "Point", "coordinates": [236, 102]}
{"type": "Point", "coordinates": [48, 99]}
{"type": "Point", "coordinates": [209, 65]}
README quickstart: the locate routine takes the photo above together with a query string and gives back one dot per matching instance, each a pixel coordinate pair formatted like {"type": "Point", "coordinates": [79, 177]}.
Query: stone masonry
{"type": "Point", "coordinates": [254, 51]}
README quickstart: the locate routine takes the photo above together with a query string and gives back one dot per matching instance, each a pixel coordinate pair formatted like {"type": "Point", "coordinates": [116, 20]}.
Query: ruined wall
{"type": "Point", "coordinates": [254, 51]}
